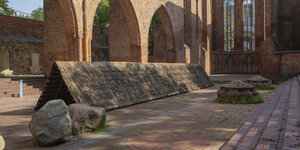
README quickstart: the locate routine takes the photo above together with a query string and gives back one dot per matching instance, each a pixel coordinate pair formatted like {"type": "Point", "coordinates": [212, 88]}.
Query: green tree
{"type": "Point", "coordinates": [4, 9]}
{"type": "Point", "coordinates": [38, 14]}
{"type": "Point", "coordinates": [155, 20]}
{"type": "Point", "coordinates": [102, 14]}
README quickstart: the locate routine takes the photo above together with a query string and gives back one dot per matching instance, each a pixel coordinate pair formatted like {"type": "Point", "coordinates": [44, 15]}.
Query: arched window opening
{"type": "Point", "coordinates": [249, 25]}
{"type": "Point", "coordinates": [228, 25]}
{"type": "Point", "coordinates": [155, 23]}
{"type": "Point", "coordinates": [100, 51]}
{"type": "Point", "coordinates": [161, 40]}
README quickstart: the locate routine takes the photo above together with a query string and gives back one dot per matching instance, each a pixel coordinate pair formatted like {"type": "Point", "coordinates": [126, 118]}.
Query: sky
{"type": "Point", "coordinates": [26, 6]}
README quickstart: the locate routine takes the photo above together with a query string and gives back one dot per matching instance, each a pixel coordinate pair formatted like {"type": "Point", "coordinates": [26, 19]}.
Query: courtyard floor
{"type": "Point", "coordinates": [187, 121]}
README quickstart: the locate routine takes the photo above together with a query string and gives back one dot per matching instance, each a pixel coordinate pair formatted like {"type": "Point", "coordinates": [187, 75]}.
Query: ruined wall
{"type": "Point", "coordinates": [137, 15]}
{"type": "Point", "coordinates": [290, 64]}
{"type": "Point", "coordinates": [288, 25]}
{"type": "Point", "coordinates": [278, 64]}
{"type": "Point", "coordinates": [22, 39]}
{"type": "Point", "coordinates": [281, 26]}
{"type": "Point", "coordinates": [20, 58]}
{"type": "Point", "coordinates": [144, 12]}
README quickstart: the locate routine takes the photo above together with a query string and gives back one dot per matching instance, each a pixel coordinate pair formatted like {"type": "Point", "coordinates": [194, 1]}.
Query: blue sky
{"type": "Point", "coordinates": [26, 6]}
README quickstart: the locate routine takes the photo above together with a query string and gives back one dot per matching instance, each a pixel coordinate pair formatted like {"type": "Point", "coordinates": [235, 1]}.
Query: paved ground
{"type": "Point", "coordinates": [276, 123]}
{"type": "Point", "coordinates": [187, 121]}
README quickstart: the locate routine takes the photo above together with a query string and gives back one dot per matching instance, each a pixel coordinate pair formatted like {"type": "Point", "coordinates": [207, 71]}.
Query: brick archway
{"type": "Point", "coordinates": [68, 30]}
{"type": "Point", "coordinates": [78, 19]}
{"type": "Point", "coordinates": [165, 39]}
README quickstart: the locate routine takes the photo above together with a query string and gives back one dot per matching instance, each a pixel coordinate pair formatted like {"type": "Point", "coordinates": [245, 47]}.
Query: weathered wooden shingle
{"type": "Point", "coordinates": [114, 85]}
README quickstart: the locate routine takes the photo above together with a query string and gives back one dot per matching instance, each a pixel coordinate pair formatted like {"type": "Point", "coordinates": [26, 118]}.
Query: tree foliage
{"type": "Point", "coordinates": [4, 9]}
{"type": "Point", "coordinates": [38, 14]}
{"type": "Point", "coordinates": [155, 20]}
{"type": "Point", "coordinates": [102, 14]}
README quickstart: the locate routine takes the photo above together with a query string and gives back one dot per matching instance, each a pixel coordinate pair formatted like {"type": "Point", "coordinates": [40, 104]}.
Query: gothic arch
{"type": "Point", "coordinates": [72, 28]}
{"type": "Point", "coordinates": [169, 51]}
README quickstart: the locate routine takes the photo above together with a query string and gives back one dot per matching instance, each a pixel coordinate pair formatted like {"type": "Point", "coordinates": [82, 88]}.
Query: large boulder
{"type": "Point", "coordinates": [86, 117]}
{"type": "Point", "coordinates": [2, 143]}
{"type": "Point", "coordinates": [51, 124]}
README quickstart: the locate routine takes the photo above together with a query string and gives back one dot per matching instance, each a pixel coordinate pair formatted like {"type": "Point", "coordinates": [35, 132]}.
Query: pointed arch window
{"type": "Point", "coordinates": [229, 25]}
{"type": "Point", "coordinates": [249, 25]}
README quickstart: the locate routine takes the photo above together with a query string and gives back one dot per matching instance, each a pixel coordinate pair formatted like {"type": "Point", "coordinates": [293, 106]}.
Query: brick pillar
{"type": "Point", "coordinates": [56, 44]}
{"type": "Point", "coordinates": [187, 23]}
{"type": "Point", "coordinates": [271, 20]}
{"type": "Point", "coordinates": [270, 62]}
{"type": "Point", "coordinates": [259, 24]}
{"type": "Point", "coordinates": [208, 24]}
{"type": "Point", "coordinates": [238, 25]}
{"type": "Point", "coordinates": [195, 34]}
{"type": "Point", "coordinates": [218, 25]}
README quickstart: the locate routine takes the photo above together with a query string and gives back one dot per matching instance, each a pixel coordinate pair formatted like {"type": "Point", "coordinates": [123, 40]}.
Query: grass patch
{"type": "Point", "coordinates": [266, 87]}
{"type": "Point", "coordinates": [3, 75]}
{"type": "Point", "coordinates": [268, 139]}
{"type": "Point", "coordinates": [255, 100]}
{"type": "Point", "coordinates": [83, 130]}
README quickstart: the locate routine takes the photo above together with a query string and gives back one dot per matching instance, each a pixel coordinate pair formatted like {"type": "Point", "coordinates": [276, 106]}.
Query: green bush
{"type": "Point", "coordinates": [255, 100]}
{"type": "Point", "coordinates": [3, 75]}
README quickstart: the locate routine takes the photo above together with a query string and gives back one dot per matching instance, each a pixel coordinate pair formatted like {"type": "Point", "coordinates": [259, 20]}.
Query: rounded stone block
{"type": "Point", "coordinates": [258, 81]}
{"type": "Point", "coordinates": [87, 117]}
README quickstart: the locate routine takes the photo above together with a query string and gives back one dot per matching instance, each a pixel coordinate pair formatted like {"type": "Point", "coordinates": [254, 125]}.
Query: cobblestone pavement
{"type": "Point", "coordinates": [15, 114]}
{"type": "Point", "coordinates": [187, 121]}
{"type": "Point", "coordinates": [276, 123]}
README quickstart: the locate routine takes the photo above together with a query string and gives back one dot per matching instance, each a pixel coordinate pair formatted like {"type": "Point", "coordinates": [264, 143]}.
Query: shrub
{"type": "Point", "coordinates": [266, 87]}
{"type": "Point", "coordinates": [254, 100]}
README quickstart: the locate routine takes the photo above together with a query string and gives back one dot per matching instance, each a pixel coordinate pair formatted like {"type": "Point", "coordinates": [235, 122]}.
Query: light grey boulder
{"type": "Point", "coordinates": [86, 117]}
{"type": "Point", "coordinates": [51, 124]}
{"type": "Point", "coordinates": [2, 143]}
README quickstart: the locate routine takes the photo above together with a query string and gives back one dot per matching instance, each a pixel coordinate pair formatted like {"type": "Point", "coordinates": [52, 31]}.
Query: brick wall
{"type": "Point", "coordinates": [20, 58]}
{"type": "Point", "coordinates": [290, 64]}
{"type": "Point", "coordinates": [280, 52]}
{"type": "Point", "coordinates": [21, 27]}
{"type": "Point", "coordinates": [276, 64]}
{"type": "Point", "coordinates": [22, 37]}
